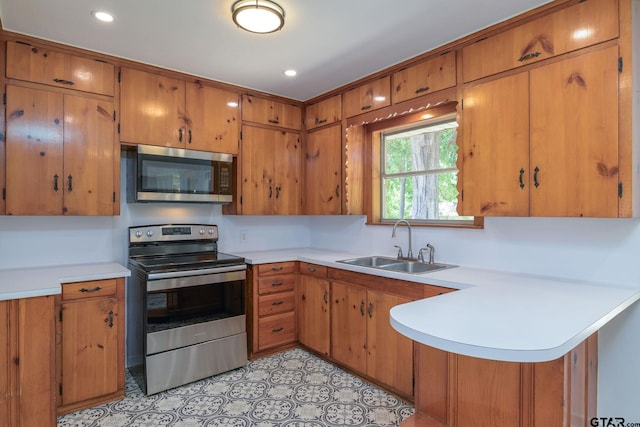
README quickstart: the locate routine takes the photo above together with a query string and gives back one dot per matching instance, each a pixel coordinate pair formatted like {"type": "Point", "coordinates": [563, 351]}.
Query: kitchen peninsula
{"type": "Point", "coordinates": [540, 331]}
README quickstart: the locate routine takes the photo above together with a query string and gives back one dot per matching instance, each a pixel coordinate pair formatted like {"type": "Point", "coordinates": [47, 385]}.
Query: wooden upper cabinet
{"type": "Point", "coordinates": [42, 65]}
{"type": "Point", "coordinates": [213, 122]}
{"type": "Point", "coordinates": [584, 24]}
{"type": "Point", "coordinates": [270, 112]}
{"type": "Point", "coordinates": [323, 171]}
{"type": "Point", "coordinates": [431, 75]}
{"type": "Point", "coordinates": [324, 112]}
{"type": "Point", "coordinates": [368, 97]}
{"type": "Point", "coordinates": [152, 109]}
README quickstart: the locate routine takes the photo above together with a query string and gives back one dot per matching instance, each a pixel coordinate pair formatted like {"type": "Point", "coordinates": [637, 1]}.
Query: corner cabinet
{"type": "Point", "coordinates": [270, 172]}
{"type": "Point", "coordinates": [27, 364]}
{"type": "Point", "coordinates": [544, 158]}
{"type": "Point", "coordinates": [161, 110]}
{"type": "Point", "coordinates": [90, 344]}
{"type": "Point", "coordinates": [61, 154]}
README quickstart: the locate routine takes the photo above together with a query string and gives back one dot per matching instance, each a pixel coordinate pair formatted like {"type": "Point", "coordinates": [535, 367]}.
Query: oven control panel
{"type": "Point", "coordinates": [172, 232]}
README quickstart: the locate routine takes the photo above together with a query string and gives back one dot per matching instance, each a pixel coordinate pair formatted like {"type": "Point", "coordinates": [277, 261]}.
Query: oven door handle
{"type": "Point", "coordinates": [200, 272]}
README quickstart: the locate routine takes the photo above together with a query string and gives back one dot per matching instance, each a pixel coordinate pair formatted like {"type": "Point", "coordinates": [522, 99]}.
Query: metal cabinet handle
{"type": "Point", "coordinates": [365, 107]}
{"type": "Point", "coordinates": [190, 135]}
{"type": "Point", "coordinates": [326, 297]}
{"type": "Point", "coordinates": [529, 56]}
{"type": "Point", "coordinates": [55, 182]}
{"type": "Point", "coordinates": [338, 190]}
{"type": "Point", "coordinates": [64, 82]}
{"type": "Point", "coordinates": [422, 89]}
{"type": "Point", "coordinates": [276, 284]}
{"type": "Point", "coordinates": [370, 310]}
{"type": "Point", "coordinates": [521, 178]}
{"type": "Point", "coordinates": [270, 191]}
{"type": "Point", "coordinates": [320, 121]}
{"type": "Point", "coordinates": [111, 318]}
{"type": "Point", "coordinates": [180, 135]}
{"type": "Point", "coordinates": [362, 308]}
{"type": "Point", "coordinates": [275, 122]}
{"type": "Point", "coordinates": [278, 191]}
{"type": "Point", "coordinates": [535, 177]}
{"type": "Point", "coordinates": [70, 187]}
{"type": "Point", "coordinates": [277, 268]}
{"type": "Point", "coordinates": [277, 330]}
{"type": "Point", "coordinates": [277, 303]}
{"type": "Point", "coordinates": [85, 290]}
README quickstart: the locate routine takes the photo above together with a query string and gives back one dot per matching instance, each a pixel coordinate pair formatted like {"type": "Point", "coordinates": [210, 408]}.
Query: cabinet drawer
{"type": "Point", "coordinates": [272, 113]}
{"type": "Point", "coordinates": [575, 27]}
{"type": "Point", "coordinates": [270, 285]}
{"type": "Point", "coordinates": [96, 288]}
{"type": "Point", "coordinates": [368, 97]}
{"type": "Point", "coordinates": [276, 303]}
{"type": "Point", "coordinates": [324, 112]}
{"type": "Point", "coordinates": [313, 270]}
{"type": "Point", "coordinates": [276, 330]}
{"type": "Point", "coordinates": [40, 65]}
{"type": "Point", "coordinates": [426, 77]}
{"type": "Point", "coordinates": [279, 268]}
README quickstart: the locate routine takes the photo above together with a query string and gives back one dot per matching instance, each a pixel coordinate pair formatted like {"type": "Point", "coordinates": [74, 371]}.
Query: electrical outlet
{"type": "Point", "coordinates": [244, 236]}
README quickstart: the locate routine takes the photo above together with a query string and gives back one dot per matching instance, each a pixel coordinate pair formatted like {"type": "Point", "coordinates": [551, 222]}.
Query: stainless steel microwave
{"type": "Point", "coordinates": [161, 174]}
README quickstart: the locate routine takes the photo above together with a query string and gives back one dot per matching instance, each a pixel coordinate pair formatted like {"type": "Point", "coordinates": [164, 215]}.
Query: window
{"type": "Point", "coordinates": [418, 173]}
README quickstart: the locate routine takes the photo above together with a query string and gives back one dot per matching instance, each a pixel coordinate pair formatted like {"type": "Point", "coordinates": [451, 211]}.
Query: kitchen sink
{"type": "Point", "coordinates": [394, 264]}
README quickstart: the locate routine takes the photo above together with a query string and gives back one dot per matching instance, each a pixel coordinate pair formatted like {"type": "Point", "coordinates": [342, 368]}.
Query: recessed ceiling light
{"type": "Point", "coordinates": [103, 16]}
{"type": "Point", "coordinates": [290, 73]}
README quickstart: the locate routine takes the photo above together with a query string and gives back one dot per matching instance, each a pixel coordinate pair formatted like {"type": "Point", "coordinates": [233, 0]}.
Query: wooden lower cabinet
{"type": "Point", "coordinates": [462, 391]}
{"type": "Point", "coordinates": [271, 322]}
{"type": "Point", "coordinates": [90, 344]}
{"type": "Point", "coordinates": [314, 330]}
{"type": "Point", "coordinates": [27, 362]}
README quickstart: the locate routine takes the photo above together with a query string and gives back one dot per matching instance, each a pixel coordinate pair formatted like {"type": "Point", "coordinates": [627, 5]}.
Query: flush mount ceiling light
{"type": "Point", "coordinates": [258, 16]}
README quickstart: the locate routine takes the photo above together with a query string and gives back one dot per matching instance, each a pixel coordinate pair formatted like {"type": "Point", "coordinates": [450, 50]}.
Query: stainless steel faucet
{"type": "Point", "coordinates": [393, 234]}
{"type": "Point", "coordinates": [431, 253]}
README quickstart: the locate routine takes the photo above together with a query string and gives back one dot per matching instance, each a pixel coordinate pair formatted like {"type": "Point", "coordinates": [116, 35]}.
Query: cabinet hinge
{"type": "Point", "coordinates": [114, 115]}
{"type": "Point", "coordinates": [240, 199]}
{"type": "Point", "coordinates": [60, 389]}
{"type": "Point", "coordinates": [114, 197]}
{"type": "Point", "coordinates": [462, 195]}
{"type": "Point", "coordinates": [4, 98]}
{"type": "Point", "coordinates": [60, 315]}
{"type": "Point", "coordinates": [240, 135]}
{"type": "Point", "coordinates": [620, 190]}
{"type": "Point", "coordinates": [462, 104]}
{"type": "Point", "coordinates": [119, 75]}
{"type": "Point", "coordinates": [118, 128]}
{"type": "Point", "coordinates": [620, 64]}
{"type": "Point", "coordinates": [4, 194]}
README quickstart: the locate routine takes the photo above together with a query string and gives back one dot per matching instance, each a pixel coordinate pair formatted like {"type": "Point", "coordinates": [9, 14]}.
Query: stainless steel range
{"type": "Point", "coordinates": [185, 306]}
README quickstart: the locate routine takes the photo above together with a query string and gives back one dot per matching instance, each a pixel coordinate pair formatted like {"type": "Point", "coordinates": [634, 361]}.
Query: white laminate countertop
{"type": "Point", "coordinates": [40, 281]}
{"type": "Point", "coordinates": [494, 314]}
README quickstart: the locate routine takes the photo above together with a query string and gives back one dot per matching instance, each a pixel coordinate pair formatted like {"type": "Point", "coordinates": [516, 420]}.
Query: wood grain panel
{"type": "Point", "coordinates": [431, 75]}
{"type": "Point", "coordinates": [271, 112]}
{"type": "Point", "coordinates": [276, 330]}
{"type": "Point", "coordinates": [368, 97]}
{"type": "Point", "coordinates": [324, 112]}
{"type": "Point", "coordinates": [349, 325]}
{"type": "Point", "coordinates": [314, 314]}
{"type": "Point", "coordinates": [323, 171]}
{"type": "Point", "coordinates": [432, 382]}
{"type": "Point", "coordinates": [276, 303]}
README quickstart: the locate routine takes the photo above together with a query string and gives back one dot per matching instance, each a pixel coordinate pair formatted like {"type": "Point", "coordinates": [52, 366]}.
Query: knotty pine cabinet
{"type": "Point", "coordinates": [161, 110]}
{"type": "Point", "coordinates": [367, 97]}
{"type": "Point", "coordinates": [323, 171]}
{"type": "Point", "coordinates": [46, 66]}
{"type": "Point", "coordinates": [90, 344]}
{"type": "Point", "coordinates": [463, 391]}
{"type": "Point", "coordinates": [323, 112]}
{"type": "Point", "coordinates": [27, 396]}
{"type": "Point", "coordinates": [554, 151]}
{"type": "Point", "coordinates": [271, 307]}
{"type": "Point", "coordinates": [271, 112]}
{"type": "Point", "coordinates": [270, 172]}
{"type": "Point", "coordinates": [583, 24]}
{"type": "Point", "coordinates": [61, 155]}
{"type": "Point", "coordinates": [313, 303]}
{"type": "Point", "coordinates": [428, 76]}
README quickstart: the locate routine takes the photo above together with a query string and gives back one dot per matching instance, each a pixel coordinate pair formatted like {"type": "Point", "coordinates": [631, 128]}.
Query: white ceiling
{"type": "Point", "coordinates": [329, 42]}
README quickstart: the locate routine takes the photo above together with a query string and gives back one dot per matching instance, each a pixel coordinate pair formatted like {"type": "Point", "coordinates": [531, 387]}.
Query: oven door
{"type": "Point", "coordinates": [187, 308]}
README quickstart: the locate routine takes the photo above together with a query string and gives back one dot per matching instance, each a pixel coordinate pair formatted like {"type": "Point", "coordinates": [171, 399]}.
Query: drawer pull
{"type": "Point", "coordinates": [276, 268]}
{"type": "Point", "coordinates": [277, 329]}
{"type": "Point", "coordinates": [422, 89]}
{"type": "Point", "coordinates": [277, 303]}
{"type": "Point", "coordinates": [276, 284]}
{"type": "Point", "coordinates": [275, 122]}
{"type": "Point", "coordinates": [529, 56]}
{"type": "Point", "coordinates": [321, 121]}
{"type": "Point", "coordinates": [64, 82]}
{"type": "Point", "coordinates": [85, 290]}
{"type": "Point", "coordinates": [365, 107]}
{"type": "Point", "coordinates": [111, 318]}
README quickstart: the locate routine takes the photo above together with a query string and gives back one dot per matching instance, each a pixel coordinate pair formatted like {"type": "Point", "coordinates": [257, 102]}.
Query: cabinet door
{"type": "Point", "coordinates": [495, 148]}
{"type": "Point", "coordinates": [389, 354]}
{"type": "Point", "coordinates": [324, 112]}
{"type": "Point", "coordinates": [323, 171]}
{"type": "Point", "coordinates": [88, 156]}
{"type": "Point", "coordinates": [89, 349]}
{"type": "Point", "coordinates": [287, 173]}
{"type": "Point", "coordinates": [574, 136]}
{"type": "Point", "coordinates": [349, 325]}
{"type": "Point", "coordinates": [572, 28]}
{"type": "Point", "coordinates": [367, 97]}
{"type": "Point", "coordinates": [313, 314]}
{"type": "Point", "coordinates": [34, 150]}
{"type": "Point", "coordinates": [152, 109]}
{"type": "Point", "coordinates": [270, 112]}
{"type": "Point", "coordinates": [426, 77]}
{"type": "Point", "coordinates": [40, 65]}
{"type": "Point", "coordinates": [213, 119]}
{"type": "Point", "coordinates": [257, 170]}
